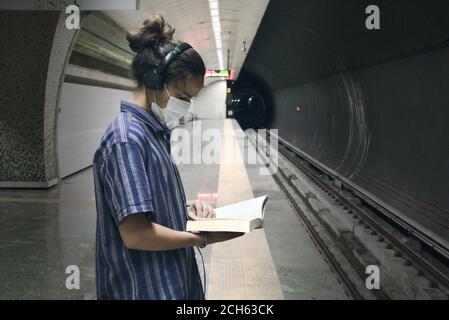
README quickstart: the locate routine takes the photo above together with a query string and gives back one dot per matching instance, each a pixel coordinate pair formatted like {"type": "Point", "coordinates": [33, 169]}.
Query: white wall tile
{"type": "Point", "coordinates": [86, 111]}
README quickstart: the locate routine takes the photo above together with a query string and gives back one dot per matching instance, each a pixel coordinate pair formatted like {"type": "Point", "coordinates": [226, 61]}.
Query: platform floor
{"type": "Point", "coordinates": [42, 232]}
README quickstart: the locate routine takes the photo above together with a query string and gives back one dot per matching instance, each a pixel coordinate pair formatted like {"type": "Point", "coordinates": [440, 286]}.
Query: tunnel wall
{"type": "Point", "coordinates": [85, 112]}
{"type": "Point", "coordinates": [210, 102]}
{"type": "Point", "coordinates": [32, 61]}
{"type": "Point", "coordinates": [371, 105]}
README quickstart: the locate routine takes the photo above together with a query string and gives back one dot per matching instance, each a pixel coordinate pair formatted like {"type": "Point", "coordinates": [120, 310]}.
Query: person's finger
{"type": "Point", "coordinates": [211, 212]}
{"type": "Point", "coordinates": [191, 213]}
{"type": "Point", "coordinates": [192, 208]}
{"type": "Point", "coordinates": [206, 210]}
{"type": "Point", "coordinates": [233, 235]}
{"type": "Point", "coordinates": [223, 236]}
{"type": "Point", "coordinates": [199, 209]}
{"type": "Point", "coordinates": [195, 207]}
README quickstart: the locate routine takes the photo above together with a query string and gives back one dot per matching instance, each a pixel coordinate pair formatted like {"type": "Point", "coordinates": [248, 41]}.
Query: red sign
{"type": "Point", "coordinates": [207, 196]}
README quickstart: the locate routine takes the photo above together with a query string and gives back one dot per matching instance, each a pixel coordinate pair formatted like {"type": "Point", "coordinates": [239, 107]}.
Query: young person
{"type": "Point", "coordinates": [142, 248]}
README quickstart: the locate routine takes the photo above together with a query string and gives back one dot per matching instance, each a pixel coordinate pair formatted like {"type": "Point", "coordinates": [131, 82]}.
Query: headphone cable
{"type": "Point", "coordinates": [204, 272]}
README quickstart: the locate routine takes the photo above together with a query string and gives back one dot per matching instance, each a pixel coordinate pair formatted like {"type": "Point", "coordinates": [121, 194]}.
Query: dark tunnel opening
{"type": "Point", "coordinates": [252, 103]}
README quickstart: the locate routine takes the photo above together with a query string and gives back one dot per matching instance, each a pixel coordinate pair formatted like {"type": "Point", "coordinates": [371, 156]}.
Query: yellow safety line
{"type": "Point", "coordinates": [241, 268]}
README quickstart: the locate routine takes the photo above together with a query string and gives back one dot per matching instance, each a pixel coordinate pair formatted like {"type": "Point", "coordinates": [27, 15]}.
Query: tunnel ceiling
{"type": "Point", "coordinates": [239, 22]}
{"type": "Point", "coordinates": [323, 37]}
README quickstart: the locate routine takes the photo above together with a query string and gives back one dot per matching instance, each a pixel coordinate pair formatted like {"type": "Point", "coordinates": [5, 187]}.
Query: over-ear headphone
{"type": "Point", "coordinates": [153, 78]}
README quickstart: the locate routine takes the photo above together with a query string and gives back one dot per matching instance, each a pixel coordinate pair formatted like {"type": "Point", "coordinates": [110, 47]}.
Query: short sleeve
{"type": "Point", "coordinates": [126, 179]}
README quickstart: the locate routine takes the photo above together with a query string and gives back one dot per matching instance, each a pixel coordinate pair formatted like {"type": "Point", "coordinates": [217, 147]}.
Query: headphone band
{"type": "Point", "coordinates": [172, 55]}
{"type": "Point", "coordinates": [154, 76]}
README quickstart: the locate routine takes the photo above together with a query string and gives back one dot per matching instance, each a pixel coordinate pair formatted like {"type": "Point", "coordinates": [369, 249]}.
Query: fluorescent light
{"type": "Point", "coordinates": [220, 58]}
{"type": "Point", "coordinates": [213, 4]}
{"type": "Point", "coordinates": [216, 27]}
{"type": "Point", "coordinates": [215, 19]}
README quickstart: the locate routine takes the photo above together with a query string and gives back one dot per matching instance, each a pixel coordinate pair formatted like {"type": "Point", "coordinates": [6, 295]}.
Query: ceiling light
{"type": "Point", "coordinates": [213, 4]}
{"type": "Point", "coordinates": [216, 27]}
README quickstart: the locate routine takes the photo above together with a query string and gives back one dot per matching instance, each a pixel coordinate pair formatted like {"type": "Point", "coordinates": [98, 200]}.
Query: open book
{"type": "Point", "coordinates": [238, 217]}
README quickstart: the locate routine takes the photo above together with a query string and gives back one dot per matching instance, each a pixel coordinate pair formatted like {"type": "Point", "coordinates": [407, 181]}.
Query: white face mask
{"type": "Point", "coordinates": [175, 109]}
{"type": "Point", "coordinates": [173, 112]}
{"type": "Point", "coordinates": [158, 112]}
{"type": "Point", "coordinates": [172, 124]}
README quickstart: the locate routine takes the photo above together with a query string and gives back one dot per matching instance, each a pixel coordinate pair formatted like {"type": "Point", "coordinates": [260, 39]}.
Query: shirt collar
{"type": "Point", "coordinates": [144, 115]}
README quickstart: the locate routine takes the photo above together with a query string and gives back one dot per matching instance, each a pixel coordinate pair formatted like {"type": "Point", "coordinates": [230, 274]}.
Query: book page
{"type": "Point", "coordinates": [248, 209]}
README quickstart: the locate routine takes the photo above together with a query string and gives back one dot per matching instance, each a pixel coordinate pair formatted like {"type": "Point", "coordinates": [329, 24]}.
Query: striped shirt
{"type": "Point", "coordinates": [134, 173]}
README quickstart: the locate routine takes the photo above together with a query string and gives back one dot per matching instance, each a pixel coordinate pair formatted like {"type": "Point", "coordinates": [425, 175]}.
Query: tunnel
{"type": "Point", "coordinates": [368, 105]}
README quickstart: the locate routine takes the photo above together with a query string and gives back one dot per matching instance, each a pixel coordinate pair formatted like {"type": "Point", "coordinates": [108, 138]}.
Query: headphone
{"type": "Point", "coordinates": [154, 77]}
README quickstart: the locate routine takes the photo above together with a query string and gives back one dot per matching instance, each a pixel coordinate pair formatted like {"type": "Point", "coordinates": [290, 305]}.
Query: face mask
{"type": "Point", "coordinates": [175, 109]}
{"type": "Point", "coordinates": [172, 113]}
{"type": "Point", "coordinates": [172, 124]}
{"type": "Point", "coordinates": [158, 112]}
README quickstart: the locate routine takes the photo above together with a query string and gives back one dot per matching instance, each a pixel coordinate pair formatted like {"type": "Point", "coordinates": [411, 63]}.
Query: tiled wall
{"type": "Point", "coordinates": [85, 112]}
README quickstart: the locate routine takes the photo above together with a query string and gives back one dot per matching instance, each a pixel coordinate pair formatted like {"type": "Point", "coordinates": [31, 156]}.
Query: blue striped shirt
{"type": "Point", "coordinates": [134, 173]}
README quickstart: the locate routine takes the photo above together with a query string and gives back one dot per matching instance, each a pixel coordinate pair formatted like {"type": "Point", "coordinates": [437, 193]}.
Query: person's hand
{"type": "Point", "coordinates": [200, 209]}
{"type": "Point", "coordinates": [214, 237]}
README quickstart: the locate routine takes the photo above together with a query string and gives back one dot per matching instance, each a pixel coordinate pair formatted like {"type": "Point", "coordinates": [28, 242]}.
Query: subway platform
{"type": "Point", "coordinates": [45, 231]}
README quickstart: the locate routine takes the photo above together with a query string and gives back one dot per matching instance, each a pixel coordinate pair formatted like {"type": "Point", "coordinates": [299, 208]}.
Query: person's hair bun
{"type": "Point", "coordinates": [152, 32]}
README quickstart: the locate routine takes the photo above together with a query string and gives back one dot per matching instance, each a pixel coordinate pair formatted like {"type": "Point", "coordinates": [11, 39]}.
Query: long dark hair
{"type": "Point", "coordinates": [152, 42]}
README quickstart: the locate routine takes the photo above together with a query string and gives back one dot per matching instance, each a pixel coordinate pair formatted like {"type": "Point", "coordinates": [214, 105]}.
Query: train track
{"type": "Point", "coordinates": [350, 289]}
{"type": "Point", "coordinates": [323, 180]}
